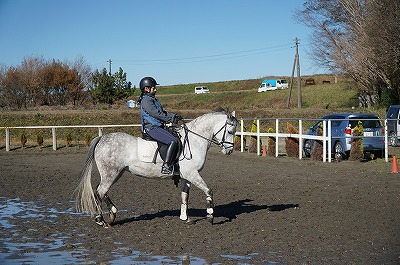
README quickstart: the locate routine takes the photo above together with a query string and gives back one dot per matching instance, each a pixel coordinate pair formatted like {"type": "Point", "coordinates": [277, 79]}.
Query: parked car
{"type": "Point", "coordinates": [201, 89]}
{"type": "Point", "coordinates": [393, 124]}
{"type": "Point", "coordinates": [342, 126]}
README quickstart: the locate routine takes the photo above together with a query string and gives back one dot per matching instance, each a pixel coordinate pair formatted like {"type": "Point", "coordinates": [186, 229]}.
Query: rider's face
{"type": "Point", "coordinates": [151, 90]}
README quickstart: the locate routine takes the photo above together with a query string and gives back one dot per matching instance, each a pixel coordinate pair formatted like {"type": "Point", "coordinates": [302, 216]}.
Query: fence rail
{"type": "Point", "coordinates": [53, 131]}
{"type": "Point", "coordinates": [279, 134]}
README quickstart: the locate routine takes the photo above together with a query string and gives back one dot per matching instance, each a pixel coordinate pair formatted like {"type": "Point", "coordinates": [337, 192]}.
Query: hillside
{"type": "Point", "coordinates": [239, 95]}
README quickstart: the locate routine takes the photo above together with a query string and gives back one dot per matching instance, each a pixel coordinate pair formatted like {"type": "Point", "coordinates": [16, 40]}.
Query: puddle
{"type": "Point", "coordinates": [19, 219]}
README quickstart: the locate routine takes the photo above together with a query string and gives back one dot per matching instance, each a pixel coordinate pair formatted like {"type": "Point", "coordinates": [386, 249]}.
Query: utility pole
{"type": "Point", "coordinates": [296, 63]}
{"type": "Point", "coordinates": [109, 61]}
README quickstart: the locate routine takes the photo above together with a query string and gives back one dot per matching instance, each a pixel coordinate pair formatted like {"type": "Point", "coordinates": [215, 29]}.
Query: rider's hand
{"type": "Point", "coordinates": [177, 118]}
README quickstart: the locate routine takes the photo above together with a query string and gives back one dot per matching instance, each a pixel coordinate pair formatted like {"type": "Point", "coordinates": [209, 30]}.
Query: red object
{"type": "Point", "coordinates": [395, 168]}
{"type": "Point", "coordinates": [347, 130]}
{"type": "Point", "coordinates": [264, 150]}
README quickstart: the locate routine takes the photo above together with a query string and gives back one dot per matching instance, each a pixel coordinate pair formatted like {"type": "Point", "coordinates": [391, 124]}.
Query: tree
{"type": "Point", "coordinates": [359, 38]}
{"type": "Point", "coordinates": [13, 93]}
{"type": "Point", "coordinates": [37, 82]}
{"type": "Point", "coordinates": [108, 88]}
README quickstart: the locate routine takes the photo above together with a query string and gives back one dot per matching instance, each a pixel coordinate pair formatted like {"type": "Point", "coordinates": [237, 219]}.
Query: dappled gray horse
{"type": "Point", "coordinates": [116, 152]}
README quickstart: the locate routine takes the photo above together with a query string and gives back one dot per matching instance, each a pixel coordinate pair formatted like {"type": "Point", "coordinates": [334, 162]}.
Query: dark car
{"type": "Point", "coordinates": [393, 124]}
{"type": "Point", "coordinates": [342, 125]}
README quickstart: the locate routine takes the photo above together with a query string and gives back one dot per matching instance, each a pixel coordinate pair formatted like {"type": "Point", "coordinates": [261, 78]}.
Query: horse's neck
{"type": "Point", "coordinates": [203, 126]}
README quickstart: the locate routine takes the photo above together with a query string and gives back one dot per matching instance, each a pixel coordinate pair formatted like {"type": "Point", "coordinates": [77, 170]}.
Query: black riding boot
{"type": "Point", "coordinates": [167, 167]}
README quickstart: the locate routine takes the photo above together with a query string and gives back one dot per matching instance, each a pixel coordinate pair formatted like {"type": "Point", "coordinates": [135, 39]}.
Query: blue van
{"type": "Point", "coordinates": [272, 84]}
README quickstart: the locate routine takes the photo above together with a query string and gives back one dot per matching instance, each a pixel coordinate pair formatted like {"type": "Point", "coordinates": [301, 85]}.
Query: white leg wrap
{"type": "Point", "coordinates": [183, 215]}
{"type": "Point", "coordinates": [210, 210]}
{"type": "Point", "coordinates": [113, 209]}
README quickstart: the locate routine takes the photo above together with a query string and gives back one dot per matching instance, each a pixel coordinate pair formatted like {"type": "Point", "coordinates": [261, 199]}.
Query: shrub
{"type": "Point", "coordinates": [292, 144]}
{"type": "Point", "coordinates": [237, 143]}
{"type": "Point", "coordinates": [39, 140]}
{"type": "Point", "coordinates": [23, 139]}
{"type": "Point", "coordinates": [271, 143]}
{"type": "Point", "coordinates": [68, 139]}
{"type": "Point", "coordinates": [87, 139]}
{"type": "Point", "coordinates": [253, 139]}
{"type": "Point", "coordinates": [357, 149]}
{"type": "Point", "coordinates": [317, 149]}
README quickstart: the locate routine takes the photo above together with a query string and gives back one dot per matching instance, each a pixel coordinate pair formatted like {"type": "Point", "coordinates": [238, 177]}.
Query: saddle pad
{"type": "Point", "coordinates": [146, 150]}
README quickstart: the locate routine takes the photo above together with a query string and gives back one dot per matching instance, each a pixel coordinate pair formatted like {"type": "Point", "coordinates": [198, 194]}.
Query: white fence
{"type": "Point", "coordinates": [242, 132]}
{"type": "Point", "coordinates": [278, 134]}
{"type": "Point", "coordinates": [53, 131]}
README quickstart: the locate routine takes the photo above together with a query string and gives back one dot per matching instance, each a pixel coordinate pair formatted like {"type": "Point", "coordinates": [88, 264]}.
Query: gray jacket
{"type": "Point", "coordinates": [153, 114]}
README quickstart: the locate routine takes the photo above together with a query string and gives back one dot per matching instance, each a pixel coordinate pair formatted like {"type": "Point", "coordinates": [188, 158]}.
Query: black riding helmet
{"type": "Point", "coordinates": [147, 82]}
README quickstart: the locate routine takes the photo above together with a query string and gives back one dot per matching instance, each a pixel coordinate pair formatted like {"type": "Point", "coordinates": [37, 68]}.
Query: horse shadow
{"type": "Point", "coordinates": [226, 212]}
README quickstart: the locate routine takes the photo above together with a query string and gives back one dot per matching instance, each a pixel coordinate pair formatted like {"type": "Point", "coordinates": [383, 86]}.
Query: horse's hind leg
{"type": "Point", "coordinates": [99, 217]}
{"type": "Point", "coordinates": [111, 208]}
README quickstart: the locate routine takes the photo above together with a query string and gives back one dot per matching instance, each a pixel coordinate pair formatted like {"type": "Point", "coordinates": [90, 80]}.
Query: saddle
{"type": "Point", "coordinates": [162, 150]}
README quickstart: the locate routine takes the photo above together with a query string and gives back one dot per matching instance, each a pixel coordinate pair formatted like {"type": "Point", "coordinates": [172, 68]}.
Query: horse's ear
{"type": "Point", "coordinates": [233, 113]}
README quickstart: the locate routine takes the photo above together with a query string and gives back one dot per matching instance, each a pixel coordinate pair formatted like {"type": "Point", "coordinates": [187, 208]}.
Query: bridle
{"type": "Point", "coordinates": [213, 140]}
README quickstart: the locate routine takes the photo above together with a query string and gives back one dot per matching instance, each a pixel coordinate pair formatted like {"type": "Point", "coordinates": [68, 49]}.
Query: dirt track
{"type": "Point", "coordinates": [268, 209]}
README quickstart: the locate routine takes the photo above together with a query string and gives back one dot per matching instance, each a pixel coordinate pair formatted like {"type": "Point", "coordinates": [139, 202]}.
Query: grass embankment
{"type": "Point", "coordinates": [239, 95]}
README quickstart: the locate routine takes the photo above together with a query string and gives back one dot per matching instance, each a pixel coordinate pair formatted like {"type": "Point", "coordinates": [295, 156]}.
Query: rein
{"type": "Point", "coordinates": [210, 141]}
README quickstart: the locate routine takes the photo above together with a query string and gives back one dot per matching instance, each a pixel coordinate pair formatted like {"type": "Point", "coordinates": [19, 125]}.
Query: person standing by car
{"type": "Point", "coordinates": [154, 118]}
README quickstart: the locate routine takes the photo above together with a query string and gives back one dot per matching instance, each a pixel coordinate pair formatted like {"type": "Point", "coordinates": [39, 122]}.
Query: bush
{"type": "Point", "coordinates": [317, 150]}
{"type": "Point", "coordinates": [357, 149]}
{"type": "Point", "coordinates": [68, 140]}
{"type": "Point", "coordinates": [23, 139]}
{"type": "Point", "coordinates": [253, 139]}
{"type": "Point", "coordinates": [39, 140]}
{"type": "Point", "coordinates": [292, 144]}
{"type": "Point", "coordinates": [87, 139]}
{"type": "Point", "coordinates": [271, 143]}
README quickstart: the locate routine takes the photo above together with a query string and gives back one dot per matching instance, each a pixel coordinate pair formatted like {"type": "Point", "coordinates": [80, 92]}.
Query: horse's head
{"type": "Point", "coordinates": [225, 135]}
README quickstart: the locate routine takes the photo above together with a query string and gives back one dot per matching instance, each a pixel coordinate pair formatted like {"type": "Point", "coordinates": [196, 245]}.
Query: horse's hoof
{"type": "Point", "coordinates": [106, 226]}
{"type": "Point", "coordinates": [112, 217]}
{"type": "Point", "coordinates": [210, 219]}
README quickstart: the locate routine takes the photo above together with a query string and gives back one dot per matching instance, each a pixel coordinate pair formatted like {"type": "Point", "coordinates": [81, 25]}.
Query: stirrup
{"type": "Point", "coordinates": [165, 169]}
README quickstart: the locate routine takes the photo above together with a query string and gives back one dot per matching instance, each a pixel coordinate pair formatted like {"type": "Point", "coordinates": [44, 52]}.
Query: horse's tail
{"type": "Point", "coordinates": [85, 200]}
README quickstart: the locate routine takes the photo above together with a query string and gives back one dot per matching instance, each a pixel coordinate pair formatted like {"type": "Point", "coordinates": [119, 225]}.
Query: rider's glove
{"type": "Point", "coordinates": [177, 118]}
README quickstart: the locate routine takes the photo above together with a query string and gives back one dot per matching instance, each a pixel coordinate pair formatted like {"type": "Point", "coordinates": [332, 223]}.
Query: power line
{"type": "Point", "coordinates": [215, 57]}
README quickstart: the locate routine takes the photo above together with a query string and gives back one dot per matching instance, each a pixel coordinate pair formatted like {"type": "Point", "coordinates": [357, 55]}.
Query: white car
{"type": "Point", "coordinates": [201, 90]}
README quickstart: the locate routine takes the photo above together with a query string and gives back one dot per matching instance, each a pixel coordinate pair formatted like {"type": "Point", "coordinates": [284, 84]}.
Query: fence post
{"type": "Point", "coordinates": [241, 136]}
{"type": "Point", "coordinates": [277, 139]}
{"type": "Point", "coordinates": [258, 137]}
{"type": "Point", "coordinates": [386, 142]}
{"type": "Point", "coordinates": [324, 141]}
{"type": "Point", "coordinates": [53, 132]}
{"type": "Point", "coordinates": [100, 131]}
{"type": "Point", "coordinates": [7, 139]}
{"type": "Point", "coordinates": [300, 139]}
{"type": "Point", "coordinates": [329, 141]}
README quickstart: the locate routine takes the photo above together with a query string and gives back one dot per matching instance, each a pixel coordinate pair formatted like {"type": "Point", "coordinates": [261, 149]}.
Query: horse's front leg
{"type": "Point", "coordinates": [198, 181]}
{"type": "Point", "coordinates": [185, 200]}
{"type": "Point", "coordinates": [210, 206]}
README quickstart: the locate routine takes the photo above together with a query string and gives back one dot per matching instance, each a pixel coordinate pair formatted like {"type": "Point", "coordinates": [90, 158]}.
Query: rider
{"type": "Point", "coordinates": [153, 121]}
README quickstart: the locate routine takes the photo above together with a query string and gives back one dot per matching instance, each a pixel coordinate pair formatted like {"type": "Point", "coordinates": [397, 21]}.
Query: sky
{"type": "Point", "coordinates": [175, 41]}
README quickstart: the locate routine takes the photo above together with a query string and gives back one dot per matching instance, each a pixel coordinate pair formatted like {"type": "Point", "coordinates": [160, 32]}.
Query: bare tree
{"type": "Point", "coordinates": [357, 37]}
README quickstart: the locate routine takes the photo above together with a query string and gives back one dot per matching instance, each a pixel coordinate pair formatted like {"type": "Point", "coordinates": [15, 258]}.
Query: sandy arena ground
{"type": "Point", "coordinates": [281, 209]}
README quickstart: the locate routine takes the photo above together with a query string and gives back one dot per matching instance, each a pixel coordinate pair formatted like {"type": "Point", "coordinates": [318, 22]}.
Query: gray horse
{"type": "Point", "coordinates": [116, 152]}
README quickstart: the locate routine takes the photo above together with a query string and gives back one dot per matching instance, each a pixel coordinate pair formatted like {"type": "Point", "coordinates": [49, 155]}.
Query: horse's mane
{"type": "Point", "coordinates": [218, 111]}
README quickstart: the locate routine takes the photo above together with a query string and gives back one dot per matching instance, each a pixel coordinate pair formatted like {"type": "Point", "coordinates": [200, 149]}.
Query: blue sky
{"type": "Point", "coordinates": [175, 41]}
